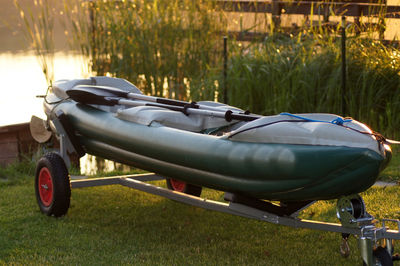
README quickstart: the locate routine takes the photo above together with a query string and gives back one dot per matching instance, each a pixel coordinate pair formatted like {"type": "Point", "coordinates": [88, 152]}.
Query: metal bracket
{"type": "Point", "coordinates": [65, 144]}
{"type": "Point", "coordinates": [351, 212]}
{"type": "Point", "coordinates": [68, 141]}
{"type": "Point", "coordinates": [366, 246]}
{"type": "Point", "coordinates": [393, 221]}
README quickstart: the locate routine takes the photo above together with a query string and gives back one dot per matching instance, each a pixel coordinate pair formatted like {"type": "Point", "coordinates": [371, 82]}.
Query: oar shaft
{"type": "Point", "coordinates": [88, 95]}
{"type": "Point", "coordinates": [228, 115]}
{"type": "Point", "coordinates": [146, 103]}
{"type": "Point", "coordinates": [137, 96]}
{"type": "Point", "coordinates": [115, 92]}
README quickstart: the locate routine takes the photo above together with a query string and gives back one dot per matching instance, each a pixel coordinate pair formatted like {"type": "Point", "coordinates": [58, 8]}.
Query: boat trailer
{"type": "Point", "coordinates": [375, 242]}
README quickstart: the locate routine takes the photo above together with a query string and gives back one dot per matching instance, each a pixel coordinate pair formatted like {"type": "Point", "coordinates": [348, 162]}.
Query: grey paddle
{"type": "Point", "coordinates": [111, 91]}
{"type": "Point", "coordinates": [86, 96]}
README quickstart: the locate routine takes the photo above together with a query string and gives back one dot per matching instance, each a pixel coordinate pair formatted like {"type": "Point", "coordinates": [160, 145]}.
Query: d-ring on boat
{"type": "Point", "coordinates": [294, 159]}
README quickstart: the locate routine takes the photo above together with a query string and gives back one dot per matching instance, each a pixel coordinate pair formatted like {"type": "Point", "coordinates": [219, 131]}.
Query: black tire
{"type": "Point", "coordinates": [52, 185]}
{"type": "Point", "coordinates": [183, 187]}
{"type": "Point", "coordinates": [381, 257]}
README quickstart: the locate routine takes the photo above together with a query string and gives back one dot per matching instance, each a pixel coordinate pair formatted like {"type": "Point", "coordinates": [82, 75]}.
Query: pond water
{"type": "Point", "coordinates": [22, 80]}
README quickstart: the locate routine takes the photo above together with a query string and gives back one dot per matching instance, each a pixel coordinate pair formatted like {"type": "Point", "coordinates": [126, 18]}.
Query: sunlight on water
{"type": "Point", "coordinates": [22, 79]}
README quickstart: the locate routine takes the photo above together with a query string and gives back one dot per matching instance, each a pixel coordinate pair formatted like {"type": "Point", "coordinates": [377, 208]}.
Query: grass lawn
{"type": "Point", "coordinates": [392, 172]}
{"type": "Point", "coordinates": [118, 225]}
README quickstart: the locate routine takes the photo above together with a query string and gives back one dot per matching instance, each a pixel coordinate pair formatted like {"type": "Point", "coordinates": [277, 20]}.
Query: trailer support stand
{"type": "Point", "coordinates": [366, 247]}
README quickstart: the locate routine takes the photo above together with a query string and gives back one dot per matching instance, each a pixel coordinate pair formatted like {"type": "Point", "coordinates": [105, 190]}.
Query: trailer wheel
{"type": "Point", "coordinates": [381, 257]}
{"type": "Point", "coordinates": [52, 185]}
{"type": "Point", "coordinates": [183, 187]}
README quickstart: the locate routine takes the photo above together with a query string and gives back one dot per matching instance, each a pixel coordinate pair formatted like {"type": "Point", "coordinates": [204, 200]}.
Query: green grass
{"type": "Point", "coordinates": [17, 173]}
{"type": "Point", "coordinates": [392, 172]}
{"type": "Point", "coordinates": [117, 225]}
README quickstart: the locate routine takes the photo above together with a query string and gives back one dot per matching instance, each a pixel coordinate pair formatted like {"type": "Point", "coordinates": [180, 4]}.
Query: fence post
{"type": "Point", "coordinates": [225, 69]}
{"type": "Point", "coordinates": [92, 10]}
{"type": "Point", "coordinates": [357, 20]}
{"type": "Point", "coordinates": [326, 14]}
{"type": "Point", "coordinates": [382, 27]}
{"type": "Point", "coordinates": [343, 65]}
{"type": "Point", "coordinates": [276, 13]}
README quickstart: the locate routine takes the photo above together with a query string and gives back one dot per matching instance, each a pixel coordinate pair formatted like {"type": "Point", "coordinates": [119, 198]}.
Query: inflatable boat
{"type": "Point", "coordinates": [285, 157]}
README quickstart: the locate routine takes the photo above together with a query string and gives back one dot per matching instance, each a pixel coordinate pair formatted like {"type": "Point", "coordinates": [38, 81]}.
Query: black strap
{"type": "Point", "coordinates": [69, 130]}
{"type": "Point", "coordinates": [191, 105]}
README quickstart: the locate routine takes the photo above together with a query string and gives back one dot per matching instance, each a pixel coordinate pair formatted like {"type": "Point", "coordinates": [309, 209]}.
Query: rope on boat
{"type": "Point", "coordinates": [264, 125]}
{"type": "Point", "coordinates": [338, 121]}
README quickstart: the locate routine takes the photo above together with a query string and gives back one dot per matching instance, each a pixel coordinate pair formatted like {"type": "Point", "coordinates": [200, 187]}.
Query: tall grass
{"type": "Point", "coordinates": [162, 46]}
{"type": "Point", "coordinates": [302, 73]}
{"type": "Point", "coordinates": [39, 32]}
{"type": "Point", "coordinates": [17, 172]}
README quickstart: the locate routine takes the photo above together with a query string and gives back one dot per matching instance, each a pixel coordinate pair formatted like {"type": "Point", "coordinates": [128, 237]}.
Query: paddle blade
{"type": "Point", "coordinates": [86, 96]}
{"type": "Point", "coordinates": [38, 130]}
{"type": "Point", "coordinates": [103, 90]}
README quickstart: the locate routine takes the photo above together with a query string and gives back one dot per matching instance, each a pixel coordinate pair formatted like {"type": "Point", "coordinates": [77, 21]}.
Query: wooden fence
{"type": "Point", "coordinates": [326, 9]}
{"type": "Point", "coordinates": [353, 8]}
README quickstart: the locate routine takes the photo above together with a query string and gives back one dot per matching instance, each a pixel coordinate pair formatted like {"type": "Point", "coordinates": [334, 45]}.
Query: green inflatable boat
{"type": "Point", "coordinates": [285, 157]}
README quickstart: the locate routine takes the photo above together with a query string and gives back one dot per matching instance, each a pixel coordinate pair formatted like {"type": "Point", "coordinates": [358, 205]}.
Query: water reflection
{"type": "Point", "coordinates": [22, 79]}
{"type": "Point", "coordinates": [91, 165]}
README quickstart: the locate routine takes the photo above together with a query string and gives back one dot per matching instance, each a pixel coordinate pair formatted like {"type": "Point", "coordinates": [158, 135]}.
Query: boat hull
{"type": "Point", "coordinates": [268, 171]}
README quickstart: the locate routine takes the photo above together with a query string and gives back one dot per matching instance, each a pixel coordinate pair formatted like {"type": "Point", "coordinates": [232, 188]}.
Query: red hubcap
{"type": "Point", "coordinates": [178, 185]}
{"type": "Point", "coordinates": [45, 186]}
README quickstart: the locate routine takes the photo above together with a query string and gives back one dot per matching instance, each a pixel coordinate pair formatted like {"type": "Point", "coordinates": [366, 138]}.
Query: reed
{"type": "Point", "coordinates": [162, 46]}
{"type": "Point", "coordinates": [39, 32]}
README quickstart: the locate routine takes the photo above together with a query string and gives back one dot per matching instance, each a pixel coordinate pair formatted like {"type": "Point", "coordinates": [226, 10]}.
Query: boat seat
{"type": "Point", "coordinates": [152, 116]}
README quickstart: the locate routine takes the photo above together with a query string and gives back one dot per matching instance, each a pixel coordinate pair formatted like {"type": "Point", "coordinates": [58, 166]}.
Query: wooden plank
{"type": "Point", "coordinates": [8, 150]}
{"type": "Point", "coordinates": [260, 36]}
{"type": "Point", "coordinates": [14, 128]}
{"type": "Point", "coordinates": [8, 137]}
{"type": "Point", "coordinates": [25, 135]}
{"type": "Point", "coordinates": [28, 147]}
{"type": "Point", "coordinates": [15, 140]}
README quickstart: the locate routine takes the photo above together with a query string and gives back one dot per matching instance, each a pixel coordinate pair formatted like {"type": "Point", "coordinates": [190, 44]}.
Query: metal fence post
{"type": "Point", "coordinates": [343, 65]}
{"type": "Point", "coordinates": [225, 69]}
